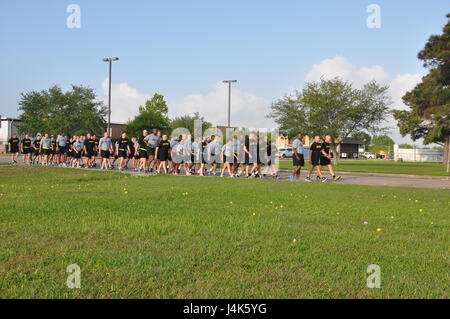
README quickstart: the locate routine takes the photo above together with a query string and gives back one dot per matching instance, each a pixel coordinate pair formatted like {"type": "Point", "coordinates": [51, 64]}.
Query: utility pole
{"type": "Point", "coordinates": [229, 99]}
{"type": "Point", "coordinates": [110, 60]}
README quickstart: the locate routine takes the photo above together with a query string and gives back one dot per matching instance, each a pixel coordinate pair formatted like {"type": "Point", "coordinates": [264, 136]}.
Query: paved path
{"type": "Point", "coordinates": [367, 179]}
{"type": "Point", "coordinates": [422, 182]}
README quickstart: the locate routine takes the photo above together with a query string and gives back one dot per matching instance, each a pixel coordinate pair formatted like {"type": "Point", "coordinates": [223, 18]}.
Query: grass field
{"type": "Point", "coordinates": [390, 167]}
{"type": "Point", "coordinates": [190, 237]}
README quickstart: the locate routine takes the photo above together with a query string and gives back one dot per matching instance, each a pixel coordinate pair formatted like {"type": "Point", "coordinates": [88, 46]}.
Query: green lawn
{"type": "Point", "coordinates": [191, 237]}
{"type": "Point", "coordinates": [390, 167]}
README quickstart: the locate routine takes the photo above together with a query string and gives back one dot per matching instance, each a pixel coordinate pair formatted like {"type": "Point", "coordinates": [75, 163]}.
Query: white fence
{"type": "Point", "coordinates": [418, 155]}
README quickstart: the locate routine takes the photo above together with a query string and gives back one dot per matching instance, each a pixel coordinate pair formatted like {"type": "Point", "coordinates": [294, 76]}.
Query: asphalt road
{"type": "Point", "coordinates": [400, 181]}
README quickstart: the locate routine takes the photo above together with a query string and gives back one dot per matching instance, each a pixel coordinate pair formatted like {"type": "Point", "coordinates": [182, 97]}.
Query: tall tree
{"type": "Point", "coordinates": [187, 121]}
{"type": "Point", "coordinates": [332, 107]}
{"type": "Point", "coordinates": [54, 111]}
{"type": "Point", "coordinates": [156, 104]}
{"type": "Point", "coordinates": [428, 116]}
{"type": "Point", "coordinates": [151, 115]}
{"type": "Point", "coordinates": [381, 143]}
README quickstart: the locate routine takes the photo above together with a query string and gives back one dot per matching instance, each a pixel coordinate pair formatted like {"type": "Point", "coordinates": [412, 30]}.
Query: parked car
{"type": "Point", "coordinates": [368, 155]}
{"type": "Point", "coordinates": [284, 152]}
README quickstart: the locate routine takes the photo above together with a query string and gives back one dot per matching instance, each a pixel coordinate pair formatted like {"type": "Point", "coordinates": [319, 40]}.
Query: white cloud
{"type": "Point", "coordinates": [340, 66]}
{"type": "Point", "coordinates": [401, 84]}
{"type": "Point", "coordinates": [125, 100]}
{"type": "Point", "coordinates": [247, 109]}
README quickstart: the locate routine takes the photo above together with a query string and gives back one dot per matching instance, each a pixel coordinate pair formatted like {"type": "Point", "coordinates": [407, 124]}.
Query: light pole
{"type": "Point", "coordinates": [110, 60]}
{"type": "Point", "coordinates": [229, 97]}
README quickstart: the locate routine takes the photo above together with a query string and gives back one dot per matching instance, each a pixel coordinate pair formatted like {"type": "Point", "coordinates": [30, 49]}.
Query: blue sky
{"type": "Point", "coordinates": [184, 48]}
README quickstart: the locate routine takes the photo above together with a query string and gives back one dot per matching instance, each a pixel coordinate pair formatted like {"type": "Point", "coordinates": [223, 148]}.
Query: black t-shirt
{"type": "Point", "coordinates": [123, 144]}
{"type": "Point", "coordinates": [26, 143]}
{"type": "Point", "coordinates": [141, 142]}
{"type": "Point", "coordinates": [164, 147]}
{"type": "Point", "coordinates": [90, 144]}
{"type": "Point", "coordinates": [316, 149]}
{"type": "Point", "coordinates": [14, 143]}
{"type": "Point", "coordinates": [326, 147]}
{"type": "Point", "coordinates": [37, 144]}
{"type": "Point", "coordinates": [53, 144]}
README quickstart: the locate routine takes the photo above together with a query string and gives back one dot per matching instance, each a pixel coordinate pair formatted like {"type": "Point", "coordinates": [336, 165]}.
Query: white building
{"type": "Point", "coordinates": [8, 127]}
{"type": "Point", "coordinates": [418, 155]}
